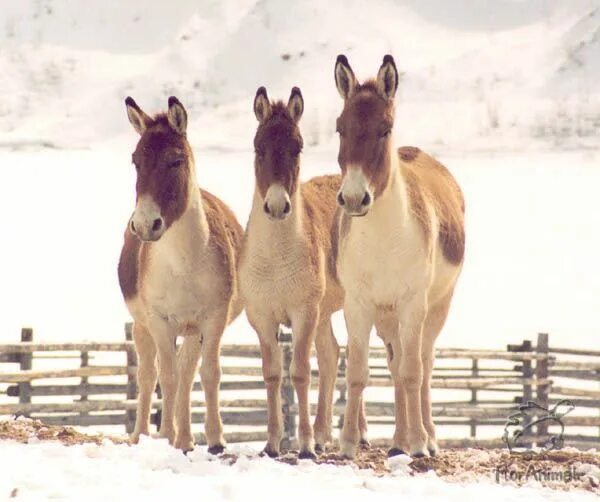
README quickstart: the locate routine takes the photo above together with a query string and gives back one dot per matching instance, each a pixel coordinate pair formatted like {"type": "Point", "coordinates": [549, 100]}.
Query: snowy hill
{"type": "Point", "coordinates": [515, 74]}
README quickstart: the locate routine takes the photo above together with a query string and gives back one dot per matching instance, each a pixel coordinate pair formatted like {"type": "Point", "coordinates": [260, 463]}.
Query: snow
{"type": "Point", "coordinates": [153, 470]}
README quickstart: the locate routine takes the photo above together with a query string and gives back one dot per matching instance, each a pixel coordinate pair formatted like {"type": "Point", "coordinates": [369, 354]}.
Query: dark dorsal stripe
{"type": "Point", "coordinates": [408, 153]}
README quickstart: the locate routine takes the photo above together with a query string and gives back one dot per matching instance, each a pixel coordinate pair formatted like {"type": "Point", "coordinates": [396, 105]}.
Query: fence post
{"type": "Point", "coordinates": [25, 363]}
{"type": "Point", "coordinates": [287, 392]}
{"type": "Point", "coordinates": [527, 372]}
{"type": "Point", "coordinates": [474, 373]}
{"type": "Point", "coordinates": [131, 379]}
{"type": "Point", "coordinates": [85, 360]}
{"type": "Point", "coordinates": [541, 373]}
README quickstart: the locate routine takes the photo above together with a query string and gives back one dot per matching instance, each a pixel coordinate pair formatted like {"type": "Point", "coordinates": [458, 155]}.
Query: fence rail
{"type": "Point", "coordinates": [491, 383]}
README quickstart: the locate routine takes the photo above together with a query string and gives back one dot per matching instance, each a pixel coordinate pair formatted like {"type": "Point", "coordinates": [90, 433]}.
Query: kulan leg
{"type": "Point", "coordinates": [267, 328]}
{"type": "Point", "coordinates": [327, 358]}
{"type": "Point", "coordinates": [410, 374]}
{"type": "Point", "coordinates": [164, 338]}
{"type": "Point", "coordinates": [400, 444]}
{"type": "Point", "coordinates": [187, 365]}
{"type": "Point", "coordinates": [146, 379]}
{"type": "Point", "coordinates": [359, 321]}
{"type": "Point", "coordinates": [362, 425]}
{"type": "Point", "coordinates": [436, 317]}
{"type": "Point", "coordinates": [210, 373]}
{"type": "Point", "coordinates": [303, 335]}
{"type": "Point", "coordinates": [387, 326]}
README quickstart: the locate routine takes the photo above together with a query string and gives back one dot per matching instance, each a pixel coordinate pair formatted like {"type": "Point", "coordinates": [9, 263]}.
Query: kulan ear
{"type": "Point", "coordinates": [387, 78]}
{"type": "Point", "coordinates": [139, 120]}
{"type": "Point", "coordinates": [344, 77]}
{"type": "Point", "coordinates": [177, 116]}
{"type": "Point", "coordinates": [295, 104]}
{"type": "Point", "coordinates": [262, 106]}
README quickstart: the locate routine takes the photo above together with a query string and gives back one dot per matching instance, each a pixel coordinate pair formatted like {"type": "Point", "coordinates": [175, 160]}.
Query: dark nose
{"type": "Point", "coordinates": [266, 208]}
{"type": "Point", "coordinates": [366, 200]}
{"type": "Point", "coordinates": [286, 208]}
{"type": "Point", "coordinates": [157, 224]}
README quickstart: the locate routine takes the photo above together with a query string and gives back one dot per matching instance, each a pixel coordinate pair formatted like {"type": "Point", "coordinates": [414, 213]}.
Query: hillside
{"type": "Point", "coordinates": [518, 75]}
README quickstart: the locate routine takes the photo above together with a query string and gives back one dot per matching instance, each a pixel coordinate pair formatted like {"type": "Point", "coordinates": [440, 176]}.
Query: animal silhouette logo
{"type": "Point", "coordinates": [529, 416]}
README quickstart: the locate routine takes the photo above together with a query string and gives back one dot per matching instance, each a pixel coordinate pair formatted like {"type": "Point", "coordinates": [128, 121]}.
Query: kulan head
{"type": "Point", "coordinates": [165, 169]}
{"type": "Point", "coordinates": [277, 146]}
{"type": "Point", "coordinates": [365, 130]}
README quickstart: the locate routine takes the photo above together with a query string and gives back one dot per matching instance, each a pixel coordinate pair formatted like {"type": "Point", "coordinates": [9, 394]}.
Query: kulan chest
{"type": "Point", "coordinates": [180, 289]}
{"type": "Point", "coordinates": [379, 255]}
{"type": "Point", "coordinates": [278, 276]}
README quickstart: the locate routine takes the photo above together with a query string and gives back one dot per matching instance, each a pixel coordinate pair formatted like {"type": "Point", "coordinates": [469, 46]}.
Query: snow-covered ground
{"type": "Point", "coordinates": [153, 470]}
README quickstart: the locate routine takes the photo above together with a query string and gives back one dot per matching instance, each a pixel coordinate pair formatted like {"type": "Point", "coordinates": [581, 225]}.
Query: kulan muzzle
{"type": "Point", "coordinates": [277, 202]}
{"type": "Point", "coordinates": [146, 221]}
{"type": "Point", "coordinates": [355, 195]}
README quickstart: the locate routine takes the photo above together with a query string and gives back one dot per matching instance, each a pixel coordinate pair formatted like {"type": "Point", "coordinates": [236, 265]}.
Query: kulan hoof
{"type": "Point", "coordinates": [364, 444]}
{"type": "Point", "coordinates": [394, 452]}
{"type": "Point", "coordinates": [432, 448]}
{"type": "Point", "coordinates": [347, 450]}
{"type": "Point", "coordinates": [271, 452]}
{"type": "Point", "coordinates": [306, 454]}
{"type": "Point", "coordinates": [216, 449]}
{"type": "Point", "coordinates": [319, 448]}
{"type": "Point", "coordinates": [419, 451]}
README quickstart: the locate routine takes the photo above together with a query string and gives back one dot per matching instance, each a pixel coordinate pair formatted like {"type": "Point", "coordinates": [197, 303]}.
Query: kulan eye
{"type": "Point", "coordinates": [385, 133]}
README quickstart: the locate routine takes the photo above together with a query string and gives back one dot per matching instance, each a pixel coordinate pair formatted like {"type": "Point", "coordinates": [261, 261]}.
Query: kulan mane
{"type": "Point", "coordinates": [367, 86]}
{"type": "Point", "coordinates": [160, 119]}
{"type": "Point", "coordinates": [279, 111]}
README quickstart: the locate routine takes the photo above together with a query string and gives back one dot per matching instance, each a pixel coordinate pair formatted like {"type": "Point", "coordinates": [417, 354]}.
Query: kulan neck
{"type": "Point", "coordinates": [393, 201]}
{"type": "Point", "coordinates": [189, 234]}
{"type": "Point", "coordinates": [264, 228]}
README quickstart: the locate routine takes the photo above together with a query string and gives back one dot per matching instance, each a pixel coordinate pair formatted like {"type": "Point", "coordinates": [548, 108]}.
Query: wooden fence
{"type": "Point", "coordinates": [474, 391]}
